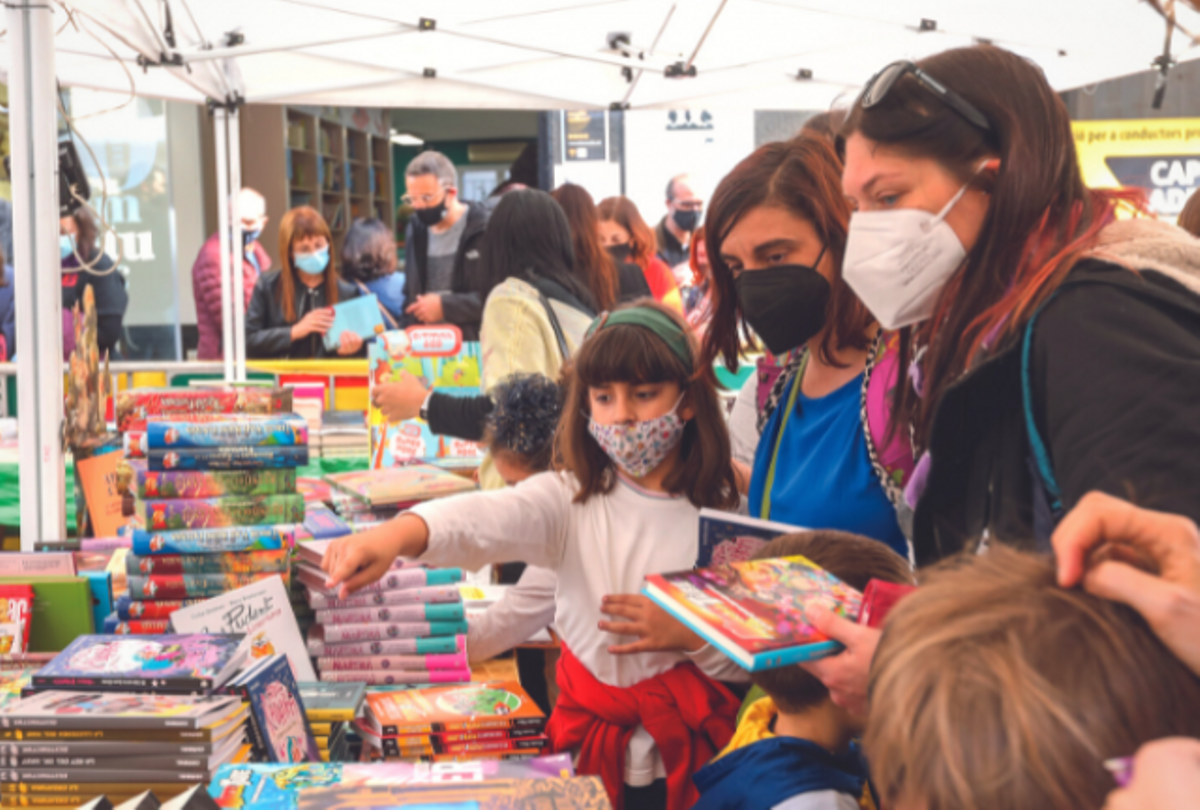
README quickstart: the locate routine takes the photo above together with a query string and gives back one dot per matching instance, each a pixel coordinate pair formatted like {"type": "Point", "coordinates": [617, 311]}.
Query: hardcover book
{"type": "Point", "coordinates": [242, 430]}
{"type": "Point", "coordinates": [228, 458]}
{"type": "Point", "coordinates": [276, 704]}
{"type": "Point", "coordinates": [188, 586]}
{"type": "Point", "coordinates": [248, 562]}
{"type": "Point", "coordinates": [726, 537]}
{"type": "Point", "coordinates": [262, 613]}
{"type": "Point", "coordinates": [117, 710]}
{"type": "Point", "coordinates": [409, 484]}
{"type": "Point", "coordinates": [578, 793]}
{"type": "Point", "coordinates": [135, 406]}
{"type": "Point", "coordinates": [318, 647]}
{"type": "Point", "coordinates": [332, 702]}
{"type": "Point", "coordinates": [131, 610]}
{"type": "Point", "coordinates": [341, 633]}
{"type": "Point", "coordinates": [197, 661]}
{"type": "Point", "coordinates": [210, 483]}
{"type": "Point", "coordinates": [756, 611]}
{"type": "Point", "coordinates": [322, 523]}
{"type": "Point", "coordinates": [455, 708]}
{"type": "Point", "coordinates": [212, 541]}
{"type": "Point", "coordinates": [447, 612]}
{"type": "Point", "coordinates": [216, 513]}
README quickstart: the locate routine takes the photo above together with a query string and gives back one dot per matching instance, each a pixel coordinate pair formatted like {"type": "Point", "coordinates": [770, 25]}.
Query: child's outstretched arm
{"type": "Point", "coordinates": [359, 559]}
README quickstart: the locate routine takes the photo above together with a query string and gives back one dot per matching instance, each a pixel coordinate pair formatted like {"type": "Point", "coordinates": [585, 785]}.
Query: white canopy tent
{"type": "Point", "coordinates": [469, 54]}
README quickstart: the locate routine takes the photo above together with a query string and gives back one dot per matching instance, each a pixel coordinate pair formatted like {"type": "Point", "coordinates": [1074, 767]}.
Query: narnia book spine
{"type": "Point", "coordinates": [216, 513]}
{"type": "Point", "coordinates": [458, 661]}
{"type": "Point", "coordinates": [337, 633]}
{"type": "Point", "coordinates": [228, 458]}
{"type": "Point", "coordinates": [187, 586]}
{"type": "Point", "coordinates": [214, 483]}
{"type": "Point", "coordinates": [212, 541]}
{"type": "Point", "coordinates": [274, 431]}
{"type": "Point", "coordinates": [393, 613]}
{"type": "Point", "coordinates": [396, 676]}
{"type": "Point", "coordinates": [252, 562]}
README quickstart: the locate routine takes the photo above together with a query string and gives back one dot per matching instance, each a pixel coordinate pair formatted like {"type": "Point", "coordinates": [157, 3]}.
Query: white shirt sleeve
{"type": "Point", "coordinates": [525, 609]}
{"type": "Point", "coordinates": [743, 422]}
{"type": "Point", "coordinates": [819, 800]}
{"type": "Point", "coordinates": [717, 665]}
{"type": "Point", "coordinates": [526, 523]}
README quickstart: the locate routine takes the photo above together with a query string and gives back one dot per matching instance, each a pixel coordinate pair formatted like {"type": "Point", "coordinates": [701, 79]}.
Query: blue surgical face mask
{"type": "Point", "coordinates": [251, 236]}
{"type": "Point", "coordinates": [313, 264]}
{"type": "Point", "coordinates": [66, 245]}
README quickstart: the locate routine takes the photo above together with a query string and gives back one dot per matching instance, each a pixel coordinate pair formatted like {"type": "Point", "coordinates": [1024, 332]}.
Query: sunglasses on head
{"type": "Point", "coordinates": [883, 81]}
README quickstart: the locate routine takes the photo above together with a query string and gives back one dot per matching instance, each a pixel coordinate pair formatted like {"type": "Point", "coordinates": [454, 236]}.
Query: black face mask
{"type": "Point", "coordinates": [432, 216]}
{"type": "Point", "coordinates": [686, 220]}
{"type": "Point", "coordinates": [620, 253]}
{"type": "Point", "coordinates": [784, 305]}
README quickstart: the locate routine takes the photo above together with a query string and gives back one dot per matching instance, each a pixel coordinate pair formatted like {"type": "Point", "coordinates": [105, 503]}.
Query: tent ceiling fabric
{"type": "Point", "coordinates": [541, 54]}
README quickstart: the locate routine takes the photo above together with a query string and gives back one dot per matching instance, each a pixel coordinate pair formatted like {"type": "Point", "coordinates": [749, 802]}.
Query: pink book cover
{"type": "Point", "coordinates": [384, 662]}
{"type": "Point", "coordinates": [445, 612]}
{"type": "Point", "coordinates": [396, 676]}
{"type": "Point", "coordinates": [37, 564]}
{"type": "Point", "coordinates": [408, 596]}
{"type": "Point", "coordinates": [396, 646]}
{"type": "Point", "coordinates": [338, 633]}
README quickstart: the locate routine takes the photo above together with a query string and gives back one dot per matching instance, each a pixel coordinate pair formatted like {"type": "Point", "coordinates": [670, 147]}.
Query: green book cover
{"type": "Point", "coordinates": [62, 610]}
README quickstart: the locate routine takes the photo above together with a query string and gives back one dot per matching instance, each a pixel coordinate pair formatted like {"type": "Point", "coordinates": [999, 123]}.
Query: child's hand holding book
{"type": "Point", "coordinates": [655, 629]}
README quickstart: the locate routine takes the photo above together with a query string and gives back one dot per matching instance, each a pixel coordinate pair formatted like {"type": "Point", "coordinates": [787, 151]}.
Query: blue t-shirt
{"type": "Point", "coordinates": [823, 476]}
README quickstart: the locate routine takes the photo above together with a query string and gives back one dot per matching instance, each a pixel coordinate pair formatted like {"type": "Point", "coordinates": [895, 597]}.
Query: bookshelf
{"type": "Point", "coordinates": [294, 158]}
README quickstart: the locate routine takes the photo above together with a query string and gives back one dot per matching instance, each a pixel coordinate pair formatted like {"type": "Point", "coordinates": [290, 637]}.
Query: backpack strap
{"type": "Point", "coordinates": [387, 316]}
{"type": "Point", "coordinates": [563, 350]}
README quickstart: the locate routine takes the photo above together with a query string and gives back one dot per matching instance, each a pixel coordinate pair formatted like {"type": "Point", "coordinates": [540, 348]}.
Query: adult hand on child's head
{"type": "Point", "coordinates": [1168, 601]}
{"type": "Point", "coordinates": [400, 400]}
{"type": "Point", "coordinates": [1166, 773]}
{"type": "Point", "coordinates": [656, 630]}
{"type": "Point", "coordinates": [845, 675]}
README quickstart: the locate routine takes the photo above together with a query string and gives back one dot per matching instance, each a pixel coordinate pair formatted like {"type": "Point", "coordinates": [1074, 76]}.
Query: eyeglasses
{"type": "Point", "coordinates": [425, 200]}
{"type": "Point", "coordinates": [883, 81]}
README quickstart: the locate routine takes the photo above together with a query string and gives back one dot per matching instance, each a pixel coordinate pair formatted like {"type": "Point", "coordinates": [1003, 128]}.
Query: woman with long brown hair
{"type": "Point", "coordinates": [609, 280]}
{"type": "Point", "coordinates": [627, 237]}
{"type": "Point", "coordinates": [292, 308]}
{"type": "Point", "coordinates": [1054, 348]}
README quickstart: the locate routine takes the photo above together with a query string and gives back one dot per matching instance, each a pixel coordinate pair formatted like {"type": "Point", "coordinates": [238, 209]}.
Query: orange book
{"type": "Point", "coordinates": [98, 476]}
{"type": "Point", "coordinates": [468, 707]}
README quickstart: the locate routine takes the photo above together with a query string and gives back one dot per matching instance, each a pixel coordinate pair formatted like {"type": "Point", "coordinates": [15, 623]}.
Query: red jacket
{"type": "Point", "coordinates": [690, 716]}
{"type": "Point", "coordinates": [206, 287]}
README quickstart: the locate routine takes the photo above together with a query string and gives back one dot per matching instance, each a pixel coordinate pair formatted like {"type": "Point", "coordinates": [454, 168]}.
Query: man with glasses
{"type": "Point", "coordinates": [674, 232]}
{"type": "Point", "coordinates": [444, 280]}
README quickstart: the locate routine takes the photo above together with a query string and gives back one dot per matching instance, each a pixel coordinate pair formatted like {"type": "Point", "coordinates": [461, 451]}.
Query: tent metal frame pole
{"type": "Point", "coordinates": [692, 59]}
{"type": "Point", "coordinates": [38, 292]}
{"type": "Point", "coordinates": [220, 141]}
{"type": "Point", "coordinates": [234, 155]}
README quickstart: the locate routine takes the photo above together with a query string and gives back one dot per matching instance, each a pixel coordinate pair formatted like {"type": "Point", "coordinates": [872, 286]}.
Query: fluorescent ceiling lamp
{"type": "Point", "coordinates": [406, 139]}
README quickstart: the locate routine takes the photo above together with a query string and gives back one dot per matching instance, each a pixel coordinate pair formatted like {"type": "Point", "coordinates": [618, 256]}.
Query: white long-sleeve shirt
{"type": "Point", "coordinates": [604, 546]}
{"type": "Point", "coordinates": [526, 609]}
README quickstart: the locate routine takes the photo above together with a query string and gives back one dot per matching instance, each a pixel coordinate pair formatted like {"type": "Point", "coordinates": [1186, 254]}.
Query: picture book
{"type": "Point", "coordinates": [275, 787]}
{"type": "Point", "coordinates": [189, 586]}
{"type": "Point", "coordinates": [726, 537]}
{"type": "Point", "coordinates": [578, 793]}
{"type": "Point", "coordinates": [359, 316]}
{"type": "Point", "coordinates": [137, 627]}
{"type": "Point", "coordinates": [453, 708]}
{"type": "Point", "coordinates": [246, 562]}
{"type": "Point", "coordinates": [408, 484]}
{"type": "Point", "coordinates": [417, 677]}
{"type": "Point", "coordinates": [98, 479]}
{"type": "Point", "coordinates": [322, 523]}
{"type": "Point", "coordinates": [215, 513]}
{"type": "Point", "coordinates": [447, 612]}
{"type": "Point", "coordinates": [117, 710]}
{"type": "Point", "coordinates": [130, 609]}
{"type": "Point", "coordinates": [262, 613]}
{"type": "Point", "coordinates": [212, 541]}
{"type": "Point", "coordinates": [319, 600]}
{"type": "Point", "coordinates": [340, 633]}
{"type": "Point", "coordinates": [318, 647]}
{"type": "Point", "coordinates": [241, 430]}
{"type": "Point", "coordinates": [755, 611]}
{"type": "Point", "coordinates": [135, 406]}
{"type": "Point", "coordinates": [228, 458]}
{"type": "Point", "coordinates": [438, 355]}
{"type": "Point", "coordinates": [197, 661]}
{"type": "Point", "coordinates": [276, 704]}
{"type": "Point", "coordinates": [210, 483]}
{"type": "Point", "coordinates": [384, 662]}
{"type": "Point", "coordinates": [332, 701]}
{"type": "Point", "coordinates": [217, 734]}
{"type": "Point", "coordinates": [37, 564]}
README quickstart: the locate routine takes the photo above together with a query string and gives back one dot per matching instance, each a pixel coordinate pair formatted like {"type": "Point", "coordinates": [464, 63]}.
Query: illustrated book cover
{"type": "Point", "coordinates": [197, 661]}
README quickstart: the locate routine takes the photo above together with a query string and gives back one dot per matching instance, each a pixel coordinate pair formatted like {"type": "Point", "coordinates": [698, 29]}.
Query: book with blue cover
{"type": "Point", "coordinates": [228, 458]}
{"type": "Point", "coordinates": [359, 316]}
{"type": "Point", "coordinates": [242, 430]}
{"type": "Point", "coordinates": [276, 705]}
{"type": "Point", "coordinates": [726, 537]}
{"type": "Point", "coordinates": [322, 523]}
{"type": "Point", "coordinates": [212, 541]}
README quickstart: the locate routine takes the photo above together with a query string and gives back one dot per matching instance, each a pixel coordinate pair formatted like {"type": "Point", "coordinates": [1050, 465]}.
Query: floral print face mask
{"type": "Point", "coordinates": [640, 447]}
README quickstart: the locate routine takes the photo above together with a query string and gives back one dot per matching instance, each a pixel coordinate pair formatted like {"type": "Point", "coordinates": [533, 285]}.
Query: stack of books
{"type": "Point", "coordinates": [344, 434]}
{"type": "Point", "coordinates": [331, 708]}
{"type": "Point", "coordinates": [368, 497]}
{"type": "Point", "coordinates": [215, 506]}
{"type": "Point", "coordinates": [408, 628]}
{"type": "Point", "coordinates": [308, 401]}
{"type": "Point", "coordinates": [497, 720]}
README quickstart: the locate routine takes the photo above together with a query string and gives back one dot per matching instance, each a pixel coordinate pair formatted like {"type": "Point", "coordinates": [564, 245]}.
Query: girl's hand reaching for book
{"type": "Point", "coordinates": [360, 559]}
{"type": "Point", "coordinates": [656, 630]}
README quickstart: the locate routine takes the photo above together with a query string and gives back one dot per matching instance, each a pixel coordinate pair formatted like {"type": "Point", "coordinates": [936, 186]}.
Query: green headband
{"type": "Point", "coordinates": [653, 320]}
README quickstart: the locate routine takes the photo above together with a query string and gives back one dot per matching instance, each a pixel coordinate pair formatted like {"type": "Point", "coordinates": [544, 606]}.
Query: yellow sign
{"type": "Point", "coordinates": [1159, 155]}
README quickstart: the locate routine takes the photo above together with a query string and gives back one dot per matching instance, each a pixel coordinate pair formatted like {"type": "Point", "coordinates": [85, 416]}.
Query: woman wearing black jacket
{"type": "Point", "coordinates": [292, 308]}
{"type": "Point", "coordinates": [85, 265]}
{"type": "Point", "coordinates": [1054, 349]}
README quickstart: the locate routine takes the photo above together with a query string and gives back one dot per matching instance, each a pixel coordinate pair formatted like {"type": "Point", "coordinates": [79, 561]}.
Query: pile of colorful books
{"type": "Point", "coordinates": [331, 708]}
{"type": "Point", "coordinates": [344, 434]}
{"type": "Point", "coordinates": [496, 720]}
{"type": "Point", "coordinates": [408, 628]}
{"type": "Point", "coordinates": [368, 497]}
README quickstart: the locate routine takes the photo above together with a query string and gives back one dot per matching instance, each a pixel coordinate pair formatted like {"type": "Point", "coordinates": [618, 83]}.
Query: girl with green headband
{"type": "Point", "coordinates": [643, 447]}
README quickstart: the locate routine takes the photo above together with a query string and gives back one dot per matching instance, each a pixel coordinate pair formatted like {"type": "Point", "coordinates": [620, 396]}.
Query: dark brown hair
{"type": "Point", "coordinates": [1041, 217]}
{"type": "Point", "coordinates": [631, 354]}
{"type": "Point", "coordinates": [853, 559]}
{"type": "Point", "coordinates": [590, 258]}
{"type": "Point", "coordinates": [300, 223]}
{"type": "Point", "coordinates": [622, 211]}
{"type": "Point", "coordinates": [86, 240]}
{"type": "Point", "coordinates": [993, 688]}
{"type": "Point", "coordinates": [1189, 217]}
{"type": "Point", "coordinates": [802, 176]}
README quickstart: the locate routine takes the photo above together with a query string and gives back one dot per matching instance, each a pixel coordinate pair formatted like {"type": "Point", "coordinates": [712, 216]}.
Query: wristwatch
{"type": "Point", "coordinates": [424, 412]}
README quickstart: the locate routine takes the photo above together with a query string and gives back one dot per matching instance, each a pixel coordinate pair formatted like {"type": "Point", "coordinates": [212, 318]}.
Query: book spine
{"type": "Point", "coordinates": [396, 646]}
{"type": "Point", "coordinates": [197, 736]}
{"type": "Point", "coordinates": [458, 661]}
{"type": "Point", "coordinates": [106, 749]}
{"type": "Point", "coordinates": [135, 406]}
{"type": "Point", "coordinates": [228, 458]}
{"type": "Point", "coordinates": [74, 682]}
{"type": "Point", "coordinates": [48, 775]}
{"type": "Point", "coordinates": [138, 627]}
{"type": "Point", "coordinates": [337, 633]}
{"type": "Point", "coordinates": [512, 744]}
{"type": "Point", "coordinates": [394, 580]}
{"type": "Point", "coordinates": [435, 594]}
{"type": "Point", "coordinates": [187, 586]}
{"type": "Point", "coordinates": [250, 562]}
{"type": "Point", "coordinates": [130, 610]}
{"type": "Point", "coordinates": [212, 541]}
{"type": "Point", "coordinates": [395, 676]}
{"type": "Point", "coordinates": [166, 763]}
{"type": "Point", "coordinates": [394, 613]}
{"type": "Point", "coordinates": [275, 431]}
{"type": "Point", "coordinates": [491, 734]}
{"type": "Point", "coordinates": [214, 483]}
{"type": "Point", "coordinates": [217, 513]}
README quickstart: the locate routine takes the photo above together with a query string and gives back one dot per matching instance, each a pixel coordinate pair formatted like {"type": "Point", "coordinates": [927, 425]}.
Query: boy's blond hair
{"type": "Point", "coordinates": [995, 689]}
